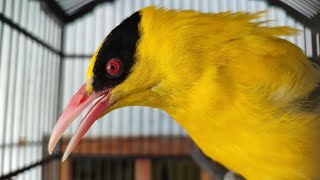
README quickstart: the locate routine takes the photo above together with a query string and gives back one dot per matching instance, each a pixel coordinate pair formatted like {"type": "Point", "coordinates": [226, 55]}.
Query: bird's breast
{"type": "Point", "coordinates": [252, 143]}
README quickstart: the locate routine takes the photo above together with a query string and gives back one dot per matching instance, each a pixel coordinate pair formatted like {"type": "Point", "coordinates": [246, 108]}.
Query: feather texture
{"type": "Point", "coordinates": [236, 87]}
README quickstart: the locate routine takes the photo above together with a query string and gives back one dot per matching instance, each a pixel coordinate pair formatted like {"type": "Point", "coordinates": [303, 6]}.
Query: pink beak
{"type": "Point", "coordinates": [77, 104]}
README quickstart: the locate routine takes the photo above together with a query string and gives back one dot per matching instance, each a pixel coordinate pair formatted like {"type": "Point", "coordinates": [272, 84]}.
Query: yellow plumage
{"type": "Point", "coordinates": [242, 93]}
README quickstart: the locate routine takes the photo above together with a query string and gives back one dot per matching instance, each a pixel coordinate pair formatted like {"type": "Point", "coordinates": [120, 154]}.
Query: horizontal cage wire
{"type": "Point", "coordinates": [45, 48]}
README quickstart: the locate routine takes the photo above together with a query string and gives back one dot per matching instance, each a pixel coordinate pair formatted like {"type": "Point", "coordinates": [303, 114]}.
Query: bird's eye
{"type": "Point", "coordinates": [114, 67]}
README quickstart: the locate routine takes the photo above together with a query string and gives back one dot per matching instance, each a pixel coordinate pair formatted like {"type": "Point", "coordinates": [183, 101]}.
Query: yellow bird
{"type": "Point", "coordinates": [249, 99]}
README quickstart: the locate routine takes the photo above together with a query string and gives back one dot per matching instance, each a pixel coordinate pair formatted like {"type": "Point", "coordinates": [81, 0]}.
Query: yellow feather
{"type": "Point", "coordinates": [237, 89]}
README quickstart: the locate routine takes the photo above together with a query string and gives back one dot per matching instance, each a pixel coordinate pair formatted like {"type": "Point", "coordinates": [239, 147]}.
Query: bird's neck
{"type": "Point", "coordinates": [179, 54]}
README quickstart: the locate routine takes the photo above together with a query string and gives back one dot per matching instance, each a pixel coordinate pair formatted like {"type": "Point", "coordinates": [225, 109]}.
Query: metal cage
{"type": "Point", "coordinates": [45, 46]}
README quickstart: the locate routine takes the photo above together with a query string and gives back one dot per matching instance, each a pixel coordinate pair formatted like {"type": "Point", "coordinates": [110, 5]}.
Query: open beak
{"type": "Point", "coordinates": [77, 104]}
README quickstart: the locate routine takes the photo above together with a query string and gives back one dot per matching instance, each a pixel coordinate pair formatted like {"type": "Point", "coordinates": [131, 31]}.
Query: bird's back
{"type": "Point", "coordinates": [259, 114]}
{"type": "Point", "coordinates": [246, 97]}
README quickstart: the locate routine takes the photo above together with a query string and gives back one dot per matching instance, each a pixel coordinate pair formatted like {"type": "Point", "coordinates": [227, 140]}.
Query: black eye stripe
{"type": "Point", "coordinates": [120, 44]}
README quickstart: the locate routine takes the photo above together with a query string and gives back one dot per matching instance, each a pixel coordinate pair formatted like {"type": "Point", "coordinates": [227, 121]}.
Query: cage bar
{"type": "Point", "coordinates": [45, 46]}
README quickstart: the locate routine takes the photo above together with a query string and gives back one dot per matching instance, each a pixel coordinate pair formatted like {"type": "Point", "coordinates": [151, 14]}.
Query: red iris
{"type": "Point", "coordinates": [113, 67]}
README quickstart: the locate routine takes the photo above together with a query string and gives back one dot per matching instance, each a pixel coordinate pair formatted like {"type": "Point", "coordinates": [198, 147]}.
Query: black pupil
{"type": "Point", "coordinates": [113, 66]}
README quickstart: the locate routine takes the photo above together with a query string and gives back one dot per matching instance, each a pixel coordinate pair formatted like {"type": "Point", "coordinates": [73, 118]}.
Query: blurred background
{"type": "Point", "coordinates": [45, 47]}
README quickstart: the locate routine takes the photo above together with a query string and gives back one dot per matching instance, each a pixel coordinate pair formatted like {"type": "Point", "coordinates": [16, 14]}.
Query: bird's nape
{"type": "Point", "coordinates": [77, 104]}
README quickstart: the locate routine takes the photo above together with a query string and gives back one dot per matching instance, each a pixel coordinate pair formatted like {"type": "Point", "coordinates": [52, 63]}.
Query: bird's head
{"type": "Point", "coordinates": [153, 58]}
{"type": "Point", "coordinates": [118, 75]}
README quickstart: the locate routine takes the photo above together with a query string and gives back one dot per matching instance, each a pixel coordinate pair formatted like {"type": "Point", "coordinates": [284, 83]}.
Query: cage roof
{"type": "Point", "coordinates": [309, 8]}
{"type": "Point", "coordinates": [69, 10]}
{"type": "Point", "coordinates": [306, 11]}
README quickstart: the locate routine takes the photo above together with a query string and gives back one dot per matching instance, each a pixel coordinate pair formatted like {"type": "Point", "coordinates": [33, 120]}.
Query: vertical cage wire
{"type": "Point", "coordinates": [36, 83]}
{"type": "Point", "coordinates": [29, 63]}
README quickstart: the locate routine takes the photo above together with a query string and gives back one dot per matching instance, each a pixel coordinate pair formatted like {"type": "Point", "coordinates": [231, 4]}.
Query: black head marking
{"type": "Point", "coordinates": [120, 44]}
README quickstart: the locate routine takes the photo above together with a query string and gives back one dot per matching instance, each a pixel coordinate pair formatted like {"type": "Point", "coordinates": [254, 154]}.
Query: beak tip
{"type": "Point", "coordinates": [64, 157]}
{"type": "Point", "coordinates": [50, 147]}
{"type": "Point", "coordinates": [49, 150]}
